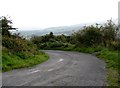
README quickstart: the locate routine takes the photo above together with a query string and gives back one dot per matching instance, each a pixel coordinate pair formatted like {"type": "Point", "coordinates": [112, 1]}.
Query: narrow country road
{"type": "Point", "coordinates": [64, 68]}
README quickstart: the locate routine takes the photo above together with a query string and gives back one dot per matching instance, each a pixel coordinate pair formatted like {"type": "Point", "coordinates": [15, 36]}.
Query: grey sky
{"type": "Point", "coordinates": [50, 13]}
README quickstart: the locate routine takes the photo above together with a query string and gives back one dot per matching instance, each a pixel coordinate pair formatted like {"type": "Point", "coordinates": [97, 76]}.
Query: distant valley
{"type": "Point", "coordinates": [66, 30]}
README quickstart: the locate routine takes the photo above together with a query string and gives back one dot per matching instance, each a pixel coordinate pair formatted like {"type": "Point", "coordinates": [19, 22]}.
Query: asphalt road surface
{"type": "Point", "coordinates": [64, 68]}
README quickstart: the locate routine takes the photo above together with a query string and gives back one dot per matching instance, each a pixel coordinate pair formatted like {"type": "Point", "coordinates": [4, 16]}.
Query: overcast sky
{"type": "Point", "coordinates": [51, 13]}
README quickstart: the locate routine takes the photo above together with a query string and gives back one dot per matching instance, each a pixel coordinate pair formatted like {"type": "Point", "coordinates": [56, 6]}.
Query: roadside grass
{"type": "Point", "coordinates": [10, 61]}
{"type": "Point", "coordinates": [110, 57]}
{"type": "Point", "coordinates": [112, 60]}
{"type": "Point", "coordinates": [88, 49]}
{"type": "Point", "coordinates": [112, 77]}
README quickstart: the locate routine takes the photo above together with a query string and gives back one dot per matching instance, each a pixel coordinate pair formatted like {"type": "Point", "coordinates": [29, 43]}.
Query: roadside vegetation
{"type": "Point", "coordinates": [17, 52]}
{"type": "Point", "coordinates": [102, 40]}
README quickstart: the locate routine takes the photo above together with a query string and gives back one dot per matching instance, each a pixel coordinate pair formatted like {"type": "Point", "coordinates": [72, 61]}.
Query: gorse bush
{"type": "Point", "coordinates": [16, 45]}
{"type": "Point", "coordinates": [88, 37]}
{"type": "Point", "coordinates": [96, 35]}
{"type": "Point", "coordinates": [50, 41]}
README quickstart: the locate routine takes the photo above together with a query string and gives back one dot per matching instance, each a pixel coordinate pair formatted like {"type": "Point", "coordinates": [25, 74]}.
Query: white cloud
{"type": "Point", "coordinates": [47, 13]}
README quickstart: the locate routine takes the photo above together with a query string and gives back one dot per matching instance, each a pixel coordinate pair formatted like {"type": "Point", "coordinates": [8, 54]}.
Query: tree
{"type": "Point", "coordinates": [88, 36]}
{"type": "Point", "coordinates": [51, 35]}
{"type": "Point", "coordinates": [6, 26]}
{"type": "Point", "coordinates": [92, 36]}
{"type": "Point", "coordinates": [109, 32]}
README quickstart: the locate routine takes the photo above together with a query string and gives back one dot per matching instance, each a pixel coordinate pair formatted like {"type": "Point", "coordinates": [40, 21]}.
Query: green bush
{"type": "Point", "coordinates": [16, 45]}
{"type": "Point", "coordinates": [23, 55]}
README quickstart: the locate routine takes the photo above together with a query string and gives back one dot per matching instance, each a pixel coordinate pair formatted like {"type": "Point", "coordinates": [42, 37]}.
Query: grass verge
{"type": "Point", "coordinates": [10, 61]}
{"type": "Point", "coordinates": [112, 61]}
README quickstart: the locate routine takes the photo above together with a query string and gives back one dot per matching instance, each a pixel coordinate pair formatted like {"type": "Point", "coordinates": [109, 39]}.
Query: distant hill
{"type": "Point", "coordinates": [67, 30]}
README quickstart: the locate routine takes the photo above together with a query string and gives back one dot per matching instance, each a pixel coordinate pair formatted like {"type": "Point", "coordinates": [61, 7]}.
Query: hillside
{"type": "Point", "coordinates": [17, 52]}
{"type": "Point", "coordinates": [67, 30]}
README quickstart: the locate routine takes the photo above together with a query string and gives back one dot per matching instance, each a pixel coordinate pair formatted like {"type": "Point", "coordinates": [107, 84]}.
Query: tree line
{"type": "Point", "coordinates": [105, 35]}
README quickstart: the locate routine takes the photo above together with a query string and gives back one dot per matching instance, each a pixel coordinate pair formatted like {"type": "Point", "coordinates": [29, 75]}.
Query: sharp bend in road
{"type": "Point", "coordinates": [64, 68]}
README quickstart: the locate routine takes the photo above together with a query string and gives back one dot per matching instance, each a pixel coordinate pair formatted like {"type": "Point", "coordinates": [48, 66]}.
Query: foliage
{"type": "Point", "coordinates": [50, 41]}
{"type": "Point", "coordinates": [97, 35]}
{"type": "Point", "coordinates": [6, 26]}
{"type": "Point", "coordinates": [88, 36]}
{"type": "Point", "coordinates": [112, 59]}
{"type": "Point", "coordinates": [16, 45]}
{"type": "Point", "coordinates": [15, 61]}
{"type": "Point", "coordinates": [109, 32]}
{"type": "Point", "coordinates": [18, 52]}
